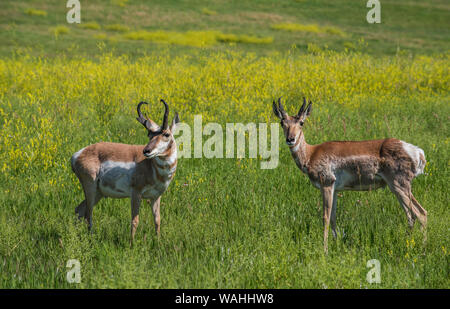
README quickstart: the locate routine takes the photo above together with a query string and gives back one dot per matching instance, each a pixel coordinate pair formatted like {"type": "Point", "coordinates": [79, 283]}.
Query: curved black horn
{"type": "Point", "coordinates": [139, 109]}
{"type": "Point", "coordinates": [275, 110]}
{"type": "Point", "coordinates": [308, 109]}
{"type": "Point", "coordinates": [141, 117]}
{"type": "Point", "coordinates": [166, 116]}
{"type": "Point", "coordinates": [302, 109]}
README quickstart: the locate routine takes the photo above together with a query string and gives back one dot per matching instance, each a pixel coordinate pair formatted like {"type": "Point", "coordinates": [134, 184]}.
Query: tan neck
{"type": "Point", "coordinates": [301, 152]}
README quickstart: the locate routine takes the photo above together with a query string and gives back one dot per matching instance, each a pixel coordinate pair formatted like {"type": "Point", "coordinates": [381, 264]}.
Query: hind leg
{"type": "Point", "coordinates": [415, 209]}
{"type": "Point", "coordinates": [406, 198]}
{"type": "Point", "coordinates": [402, 192]}
{"type": "Point", "coordinates": [80, 210]}
{"type": "Point", "coordinates": [93, 196]}
{"type": "Point", "coordinates": [420, 213]}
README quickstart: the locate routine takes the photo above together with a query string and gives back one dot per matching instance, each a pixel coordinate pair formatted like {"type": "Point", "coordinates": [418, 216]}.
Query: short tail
{"type": "Point", "coordinates": [417, 155]}
{"type": "Point", "coordinates": [74, 158]}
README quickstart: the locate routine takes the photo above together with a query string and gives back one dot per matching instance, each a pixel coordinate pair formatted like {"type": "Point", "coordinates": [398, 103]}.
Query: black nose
{"type": "Point", "coordinates": [290, 140]}
{"type": "Point", "coordinates": [146, 151]}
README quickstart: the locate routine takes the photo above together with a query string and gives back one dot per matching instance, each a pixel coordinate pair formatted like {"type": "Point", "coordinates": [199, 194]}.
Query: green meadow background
{"type": "Point", "coordinates": [226, 223]}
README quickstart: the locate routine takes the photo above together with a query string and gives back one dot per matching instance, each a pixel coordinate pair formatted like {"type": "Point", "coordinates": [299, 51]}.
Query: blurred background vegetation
{"type": "Point", "coordinates": [137, 27]}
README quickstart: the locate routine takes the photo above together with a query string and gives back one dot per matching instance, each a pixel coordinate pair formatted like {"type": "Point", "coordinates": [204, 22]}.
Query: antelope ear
{"type": "Point", "coordinates": [149, 124]}
{"type": "Point", "coordinates": [276, 111]}
{"type": "Point", "coordinates": [175, 120]}
{"type": "Point", "coordinates": [152, 126]}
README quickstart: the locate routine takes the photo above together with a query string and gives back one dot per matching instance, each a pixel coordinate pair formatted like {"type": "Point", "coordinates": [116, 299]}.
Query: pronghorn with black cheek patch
{"type": "Point", "coordinates": [354, 165]}
{"type": "Point", "coordinates": [134, 171]}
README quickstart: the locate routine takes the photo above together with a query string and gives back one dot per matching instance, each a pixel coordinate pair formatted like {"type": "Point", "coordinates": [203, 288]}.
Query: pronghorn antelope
{"type": "Point", "coordinates": [354, 165]}
{"type": "Point", "coordinates": [135, 171]}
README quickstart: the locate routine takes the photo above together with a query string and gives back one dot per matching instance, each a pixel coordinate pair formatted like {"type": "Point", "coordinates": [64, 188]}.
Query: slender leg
{"type": "Point", "coordinates": [403, 197]}
{"type": "Point", "coordinates": [81, 209]}
{"type": "Point", "coordinates": [411, 206]}
{"type": "Point", "coordinates": [419, 212]}
{"type": "Point", "coordinates": [156, 215]}
{"type": "Point", "coordinates": [327, 195]}
{"type": "Point", "coordinates": [333, 214]}
{"type": "Point", "coordinates": [135, 203]}
{"type": "Point", "coordinates": [92, 198]}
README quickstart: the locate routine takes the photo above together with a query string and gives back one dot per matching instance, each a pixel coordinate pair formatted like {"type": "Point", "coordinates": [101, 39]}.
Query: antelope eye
{"type": "Point", "coordinates": [165, 134]}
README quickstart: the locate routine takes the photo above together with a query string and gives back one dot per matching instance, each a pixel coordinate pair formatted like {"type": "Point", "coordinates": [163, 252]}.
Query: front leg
{"type": "Point", "coordinates": [135, 204]}
{"type": "Point", "coordinates": [156, 214]}
{"type": "Point", "coordinates": [333, 214]}
{"type": "Point", "coordinates": [327, 195]}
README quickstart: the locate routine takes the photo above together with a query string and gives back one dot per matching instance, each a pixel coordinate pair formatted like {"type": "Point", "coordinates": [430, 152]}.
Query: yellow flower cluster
{"type": "Point", "coordinates": [35, 12]}
{"type": "Point", "coordinates": [40, 98]}
{"type": "Point", "coordinates": [312, 28]}
{"type": "Point", "coordinates": [194, 38]}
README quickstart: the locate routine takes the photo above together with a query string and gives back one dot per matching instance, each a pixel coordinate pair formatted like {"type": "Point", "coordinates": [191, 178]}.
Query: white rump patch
{"type": "Point", "coordinates": [414, 153]}
{"type": "Point", "coordinates": [76, 155]}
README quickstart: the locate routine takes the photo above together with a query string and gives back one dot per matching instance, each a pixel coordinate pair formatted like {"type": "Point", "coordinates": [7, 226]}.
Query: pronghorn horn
{"type": "Point", "coordinates": [141, 117]}
{"type": "Point", "coordinates": [283, 112]}
{"type": "Point", "coordinates": [275, 110]}
{"type": "Point", "coordinates": [300, 112]}
{"type": "Point", "coordinates": [166, 115]}
{"type": "Point", "coordinates": [308, 110]}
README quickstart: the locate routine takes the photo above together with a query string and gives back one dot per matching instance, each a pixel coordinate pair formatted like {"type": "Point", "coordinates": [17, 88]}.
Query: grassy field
{"type": "Point", "coordinates": [226, 223]}
{"type": "Point", "coordinates": [408, 26]}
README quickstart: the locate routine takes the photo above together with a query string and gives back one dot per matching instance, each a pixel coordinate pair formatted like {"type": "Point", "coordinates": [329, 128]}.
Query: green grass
{"type": "Point", "coordinates": [226, 223]}
{"type": "Point", "coordinates": [411, 26]}
{"type": "Point", "coordinates": [117, 28]}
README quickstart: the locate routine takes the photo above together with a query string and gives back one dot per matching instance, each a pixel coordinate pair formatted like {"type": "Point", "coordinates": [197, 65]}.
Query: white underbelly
{"type": "Point", "coordinates": [115, 178]}
{"type": "Point", "coordinates": [348, 181]}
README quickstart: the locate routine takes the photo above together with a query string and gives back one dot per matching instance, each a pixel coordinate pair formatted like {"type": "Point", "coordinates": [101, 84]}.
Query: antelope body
{"type": "Point", "coordinates": [354, 165]}
{"type": "Point", "coordinates": [134, 171]}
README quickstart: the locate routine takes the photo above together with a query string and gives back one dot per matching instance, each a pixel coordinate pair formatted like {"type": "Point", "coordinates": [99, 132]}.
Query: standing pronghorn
{"type": "Point", "coordinates": [120, 170]}
{"type": "Point", "coordinates": [358, 166]}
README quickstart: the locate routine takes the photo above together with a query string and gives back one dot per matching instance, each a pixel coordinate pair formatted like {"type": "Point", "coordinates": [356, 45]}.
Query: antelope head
{"type": "Point", "coordinates": [161, 140]}
{"type": "Point", "coordinates": [292, 125]}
